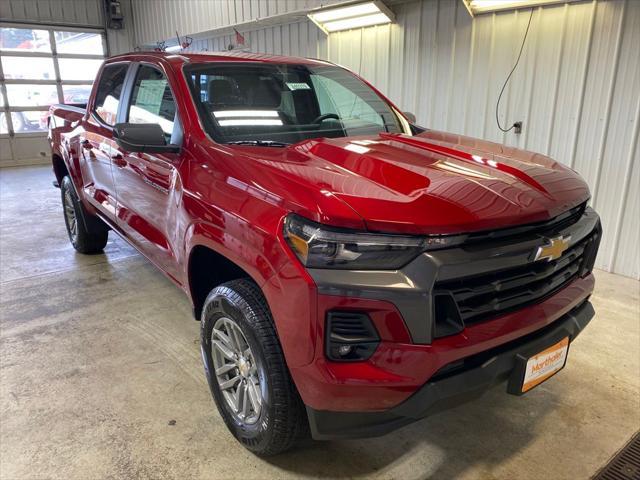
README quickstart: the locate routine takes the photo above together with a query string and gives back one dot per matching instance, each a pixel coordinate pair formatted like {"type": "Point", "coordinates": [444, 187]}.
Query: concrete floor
{"type": "Point", "coordinates": [99, 358]}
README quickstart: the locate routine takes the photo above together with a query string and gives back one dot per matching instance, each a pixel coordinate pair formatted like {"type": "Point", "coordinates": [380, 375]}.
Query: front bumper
{"type": "Point", "coordinates": [412, 289]}
{"type": "Point", "coordinates": [451, 388]}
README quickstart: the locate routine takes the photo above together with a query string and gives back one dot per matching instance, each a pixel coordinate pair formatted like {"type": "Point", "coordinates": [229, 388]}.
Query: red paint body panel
{"type": "Point", "coordinates": [398, 369]}
{"type": "Point", "coordinates": [233, 199]}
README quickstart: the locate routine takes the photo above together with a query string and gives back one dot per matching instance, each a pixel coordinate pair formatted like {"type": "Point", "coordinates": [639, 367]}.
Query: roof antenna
{"type": "Point", "coordinates": [184, 44]}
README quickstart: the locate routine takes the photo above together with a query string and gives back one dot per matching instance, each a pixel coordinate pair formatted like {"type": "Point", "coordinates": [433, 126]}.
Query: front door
{"type": "Point", "coordinates": [96, 143]}
{"type": "Point", "coordinates": [148, 185]}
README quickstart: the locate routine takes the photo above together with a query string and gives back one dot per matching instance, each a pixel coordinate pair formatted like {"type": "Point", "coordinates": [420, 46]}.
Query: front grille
{"type": "Point", "coordinates": [548, 227]}
{"type": "Point", "coordinates": [488, 295]}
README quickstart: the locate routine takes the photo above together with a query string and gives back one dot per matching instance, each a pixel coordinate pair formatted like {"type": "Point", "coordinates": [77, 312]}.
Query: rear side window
{"type": "Point", "coordinates": [109, 92]}
{"type": "Point", "coordinates": [152, 100]}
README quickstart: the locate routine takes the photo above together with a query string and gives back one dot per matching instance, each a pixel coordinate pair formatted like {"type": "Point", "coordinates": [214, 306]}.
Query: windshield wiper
{"type": "Point", "coordinates": [259, 143]}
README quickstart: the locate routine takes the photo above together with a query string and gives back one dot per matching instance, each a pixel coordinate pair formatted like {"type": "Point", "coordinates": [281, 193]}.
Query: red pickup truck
{"type": "Point", "coordinates": [352, 272]}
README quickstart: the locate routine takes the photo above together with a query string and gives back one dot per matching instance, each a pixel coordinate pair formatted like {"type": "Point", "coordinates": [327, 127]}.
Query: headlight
{"type": "Point", "coordinates": [319, 246]}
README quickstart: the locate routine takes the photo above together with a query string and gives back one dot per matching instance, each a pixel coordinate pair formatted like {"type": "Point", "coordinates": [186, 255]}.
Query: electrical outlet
{"type": "Point", "coordinates": [517, 127]}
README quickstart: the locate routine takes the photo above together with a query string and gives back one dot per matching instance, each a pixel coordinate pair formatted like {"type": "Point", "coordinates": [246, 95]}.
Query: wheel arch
{"type": "Point", "coordinates": [208, 268]}
{"type": "Point", "coordinates": [60, 169]}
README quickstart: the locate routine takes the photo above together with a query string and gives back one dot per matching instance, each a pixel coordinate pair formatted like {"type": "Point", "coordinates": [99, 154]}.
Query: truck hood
{"type": "Point", "coordinates": [432, 183]}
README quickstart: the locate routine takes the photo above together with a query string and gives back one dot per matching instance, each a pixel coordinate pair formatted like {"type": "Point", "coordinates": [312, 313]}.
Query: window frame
{"type": "Point", "coordinates": [134, 77]}
{"type": "Point", "coordinates": [6, 108]}
{"type": "Point", "coordinates": [206, 123]}
{"type": "Point", "coordinates": [124, 94]}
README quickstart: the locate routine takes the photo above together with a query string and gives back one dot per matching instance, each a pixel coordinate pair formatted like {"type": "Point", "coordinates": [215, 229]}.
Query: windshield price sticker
{"type": "Point", "coordinates": [298, 86]}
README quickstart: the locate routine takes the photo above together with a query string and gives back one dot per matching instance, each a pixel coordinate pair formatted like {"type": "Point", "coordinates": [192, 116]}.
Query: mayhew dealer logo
{"type": "Point", "coordinates": [545, 364]}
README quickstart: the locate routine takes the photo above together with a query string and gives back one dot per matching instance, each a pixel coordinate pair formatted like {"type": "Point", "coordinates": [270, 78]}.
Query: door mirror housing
{"type": "Point", "coordinates": [410, 116]}
{"type": "Point", "coordinates": [143, 137]}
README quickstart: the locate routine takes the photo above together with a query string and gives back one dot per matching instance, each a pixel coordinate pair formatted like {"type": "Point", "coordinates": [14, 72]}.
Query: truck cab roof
{"type": "Point", "coordinates": [208, 57]}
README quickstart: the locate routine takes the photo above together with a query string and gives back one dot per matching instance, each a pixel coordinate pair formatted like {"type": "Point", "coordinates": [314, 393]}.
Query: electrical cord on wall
{"type": "Point", "coordinates": [524, 39]}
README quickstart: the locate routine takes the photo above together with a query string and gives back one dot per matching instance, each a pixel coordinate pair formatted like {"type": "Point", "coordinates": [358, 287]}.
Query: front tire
{"type": "Point", "coordinates": [82, 239]}
{"type": "Point", "coordinates": [246, 370]}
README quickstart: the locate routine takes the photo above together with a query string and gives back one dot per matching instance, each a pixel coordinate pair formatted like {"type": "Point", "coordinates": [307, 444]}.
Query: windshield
{"type": "Point", "coordinates": [272, 104]}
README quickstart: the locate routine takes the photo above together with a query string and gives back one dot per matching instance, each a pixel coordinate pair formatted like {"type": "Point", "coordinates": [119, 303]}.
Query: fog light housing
{"type": "Point", "coordinates": [350, 336]}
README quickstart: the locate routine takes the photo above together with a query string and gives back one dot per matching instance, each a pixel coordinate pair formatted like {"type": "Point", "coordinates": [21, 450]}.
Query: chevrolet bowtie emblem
{"type": "Point", "coordinates": [554, 248]}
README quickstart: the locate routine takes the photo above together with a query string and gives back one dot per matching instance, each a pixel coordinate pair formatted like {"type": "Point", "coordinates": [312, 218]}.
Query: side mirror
{"type": "Point", "coordinates": [142, 137]}
{"type": "Point", "coordinates": [410, 116]}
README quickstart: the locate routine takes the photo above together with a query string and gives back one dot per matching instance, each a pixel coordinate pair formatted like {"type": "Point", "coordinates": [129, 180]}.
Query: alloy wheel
{"type": "Point", "coordinates": [236, 371]}
{"type": "Point", "coordinates": [70, 216]}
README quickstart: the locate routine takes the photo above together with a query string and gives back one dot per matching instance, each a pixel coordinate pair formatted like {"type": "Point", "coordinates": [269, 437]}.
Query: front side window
{"type": "Point", "coordinates": [151, 100]}
{"type": "Point", "coordinates": [286, 103]}
{"type": "Point", "coordinates": [109, 92]}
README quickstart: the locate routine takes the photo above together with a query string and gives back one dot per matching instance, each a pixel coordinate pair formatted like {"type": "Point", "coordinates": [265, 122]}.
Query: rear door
{"type": "Point", "coordinates": [148, 185]}
{"type": "Point", "coordinates": [97, 140]}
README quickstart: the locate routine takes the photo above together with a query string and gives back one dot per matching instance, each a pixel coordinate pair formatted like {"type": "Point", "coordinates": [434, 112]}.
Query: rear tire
{"type": "Point", "coordinates": [271, 418]}
{"type": "Point", "coordinates": [83, 240]}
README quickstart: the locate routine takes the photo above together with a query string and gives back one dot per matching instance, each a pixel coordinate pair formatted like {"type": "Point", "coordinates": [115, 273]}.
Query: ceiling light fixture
{"type": "Point", "coordinates": [477, 7]}
{"type": "Point", "coordinates": [351, 15]}
{"type": "Point", "coordinates": [245, 113]}
{"type": "Point", "coordinates": [242, 122]}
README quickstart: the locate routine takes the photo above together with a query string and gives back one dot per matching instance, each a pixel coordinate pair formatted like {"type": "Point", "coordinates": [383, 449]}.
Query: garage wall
{"type": "Point", "coordinates": [78, 13]}
{"type": "Point", "coordinates": [300, 39]}
{"type": "Point", "coordinates": [32, 148]}
{"type": "Point", "coordinates": [577, 90]}
{"type": "Point", "coordinates": [86, 12]}
{"type": "Point", "coordinates": [159, 19]}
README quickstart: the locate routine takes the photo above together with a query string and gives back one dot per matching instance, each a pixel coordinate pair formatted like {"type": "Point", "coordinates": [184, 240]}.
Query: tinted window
{"type": "Point", "coordinates": [109, 92]}
{"type": "Point", "coordinates": [286, 103]}
{"type": "Point", "coordinates": [152, 101]}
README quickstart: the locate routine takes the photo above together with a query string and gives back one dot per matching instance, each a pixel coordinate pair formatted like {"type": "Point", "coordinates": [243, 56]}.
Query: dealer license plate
{"type": "Point", "coordinates": [545, 364]}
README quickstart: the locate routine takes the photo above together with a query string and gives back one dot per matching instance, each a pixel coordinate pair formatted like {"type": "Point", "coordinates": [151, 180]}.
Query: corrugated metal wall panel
{"type": "Point", "coordinates": [72, 12]}
{"type": "Point", "coordinates": [616, 148]}
{"type": "Point", "coordinates": [576, 88]}
{"type": "Point", "coordinates": [626, 256]}
{"type": "Point", "coordinates": [159, 19]}
{"type": "Point", "coordinates": [76, 13]}
{"type": "Point", "coordinates": [300, 39]}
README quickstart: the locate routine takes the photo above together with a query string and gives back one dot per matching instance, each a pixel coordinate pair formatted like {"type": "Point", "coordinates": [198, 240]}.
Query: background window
{"type": "Point", "coordinates": [78, 69]}
{"type": "Point", "coordinates": [152, 101]}
{"type": "Point", "coordinates": [24, 40]}
{"type": "Point", "coordinates": [79, 42]}
{"type": "Point", "coordinates": [76, 94]}
{"type": "Point", "coordinates": [30, 68]}
{"type": "Point", "coordinates": [27, 95]}
{"type": "Point", "coordinates": [109, 92]}
{"type": "Point", "coordinates": [28, 75]}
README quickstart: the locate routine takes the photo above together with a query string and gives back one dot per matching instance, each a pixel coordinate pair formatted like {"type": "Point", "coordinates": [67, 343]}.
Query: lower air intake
{"type": "Point", "coordinates": [350, 336]}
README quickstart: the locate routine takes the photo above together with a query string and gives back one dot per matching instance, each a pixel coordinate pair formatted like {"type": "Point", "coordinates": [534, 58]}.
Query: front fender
{"type": "Point", "coordinates": [291, 299]}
